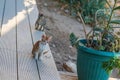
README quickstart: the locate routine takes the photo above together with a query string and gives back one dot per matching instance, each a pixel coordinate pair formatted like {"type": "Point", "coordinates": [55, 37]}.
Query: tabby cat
{"type": "Point", "coordinates": [40, 23]}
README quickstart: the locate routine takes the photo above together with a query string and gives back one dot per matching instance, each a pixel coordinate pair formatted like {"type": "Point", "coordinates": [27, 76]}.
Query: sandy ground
{"type": "Point", "coordinates": [61, 24]}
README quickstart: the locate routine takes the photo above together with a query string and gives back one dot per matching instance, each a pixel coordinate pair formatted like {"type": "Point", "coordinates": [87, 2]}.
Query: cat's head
{"type": "Point", "coordinates": [46, 39]}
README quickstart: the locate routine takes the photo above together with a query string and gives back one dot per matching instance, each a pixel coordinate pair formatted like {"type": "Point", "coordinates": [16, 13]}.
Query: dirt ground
{"type": "Point", "coordinates": [60, 25]}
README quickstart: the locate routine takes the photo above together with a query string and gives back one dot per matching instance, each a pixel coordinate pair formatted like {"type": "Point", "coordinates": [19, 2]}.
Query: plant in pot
{"type": "Point", "coordinates": [98, 54]}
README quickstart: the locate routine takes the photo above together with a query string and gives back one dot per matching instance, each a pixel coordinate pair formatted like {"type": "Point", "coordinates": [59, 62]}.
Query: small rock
{"type": "Point", "coordinates": [70, 66]}
{"type": "Point", "coordinates": [55, 10]}
{"type": "Point", "coordinates": [54, 45]}
{"type": "Point", "coordinates": [66, 11]}
{"type": "Point", "coordinates": [65, 58]}
{"type": "Point", "coordinates": [73, 58]}
{"type": "Point", "coordinates": [70, 47]}
{"type": "Point", "coordinates": [45, 4]}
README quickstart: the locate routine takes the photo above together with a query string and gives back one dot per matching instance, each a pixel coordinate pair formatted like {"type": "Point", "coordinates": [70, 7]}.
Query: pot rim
{"type": "Point", "coordinates": [97, 52]}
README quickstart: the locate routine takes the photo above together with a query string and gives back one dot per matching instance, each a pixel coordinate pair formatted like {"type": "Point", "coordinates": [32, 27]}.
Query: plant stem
{"type": "Point", "coordinates": [111, 15]}
{"type": "Point", "coordinates": [84, 27]}
{"type": "Point", "coordinates": [108, 4]}
{"type": "Point", "coordinates": [107, 27]}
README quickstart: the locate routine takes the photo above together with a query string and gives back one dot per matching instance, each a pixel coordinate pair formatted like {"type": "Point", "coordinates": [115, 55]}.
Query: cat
{"type": "Point", "coordinates": [39, 48]}
{"type": "Point", "coordinates": [41, 23]}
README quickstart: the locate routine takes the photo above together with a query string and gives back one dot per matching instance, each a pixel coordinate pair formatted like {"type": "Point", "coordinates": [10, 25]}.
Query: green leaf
{"type": "Point", "coordinates": [101, 48]}
{"type": "Point", "coordinates": [99, 29]}
{"type": "Point", "coordinates": [115, 21]}
{"type": "Point", "coordinates": [73, 39]}
{"type": "Point", "coordinates": [117, 8]}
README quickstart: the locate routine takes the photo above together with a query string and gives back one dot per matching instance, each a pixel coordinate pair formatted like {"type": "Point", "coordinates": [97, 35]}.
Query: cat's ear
{"type": "Point", "coordinates": [49, 38]}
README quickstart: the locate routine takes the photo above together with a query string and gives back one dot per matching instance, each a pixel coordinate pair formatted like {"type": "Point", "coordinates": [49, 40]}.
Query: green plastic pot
{"type": "Point", "coordinates": [89, 63]}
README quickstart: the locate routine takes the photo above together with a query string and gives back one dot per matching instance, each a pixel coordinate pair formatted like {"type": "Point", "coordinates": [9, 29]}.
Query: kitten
{"type": "Point", "coordinates": [41, 23]}
{"type": "Point", "coordinates": [39, 48]}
